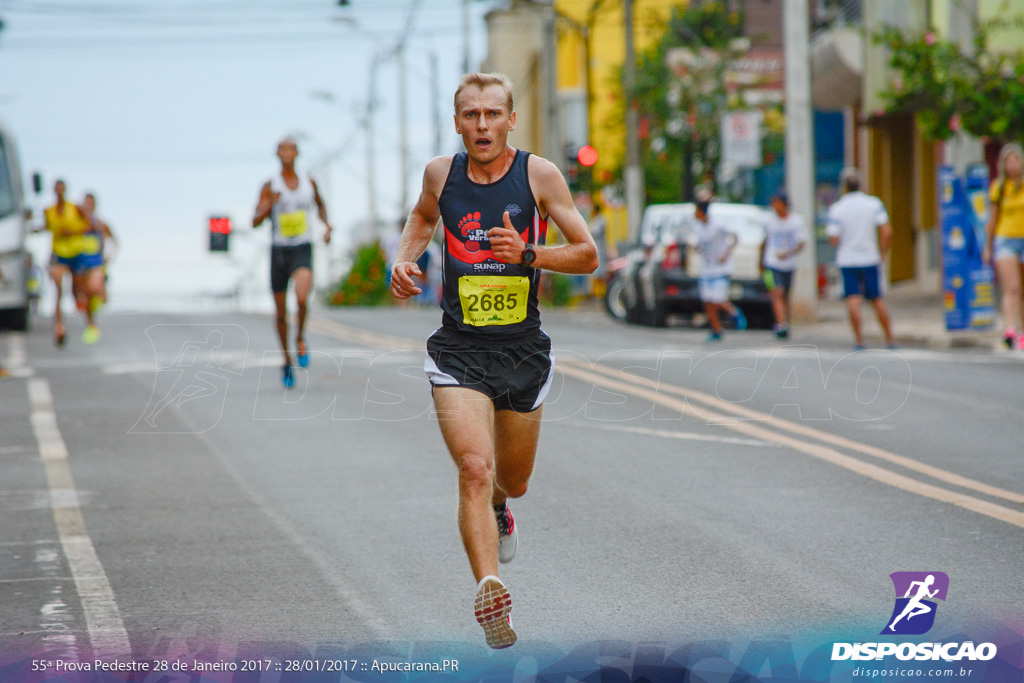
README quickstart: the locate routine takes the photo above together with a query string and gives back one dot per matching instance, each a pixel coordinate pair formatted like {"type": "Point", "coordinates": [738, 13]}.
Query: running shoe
{"type": "Point", "coordinates": [508, 534]}
{"type": "Point", "coordinates": [91, 334]}
{"type": "Point", "coordinates": [303, 355]}
{"type": "Point", "coordinates": [1009, 337]}
{"type": "Point", "coordinates": [1020, 342]}
{"type": "Point", "coordinates": [715, 336]}
{"type": "Point", "coordinates": [781, 331]}
{"type": "Point", "coordinates": [493, 612]}
{"type": "Point", "coordinates": [859, 347]}
{"type": "Point", "coordinates": [741, 320]}
{"type": "Point", "coordinates": [287, 377]}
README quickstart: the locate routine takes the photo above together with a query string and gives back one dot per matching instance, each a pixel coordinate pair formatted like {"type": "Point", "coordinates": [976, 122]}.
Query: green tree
{"type": "Point", "coordinates": [365, 284]}
{"type": "Point", "coordinates": [681, 103]}
{"type": "Point", "coordinates": [975, 89]}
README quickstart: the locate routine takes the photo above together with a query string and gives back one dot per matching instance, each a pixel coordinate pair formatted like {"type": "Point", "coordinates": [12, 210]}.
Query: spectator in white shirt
{"type": "Point", "coordinates": [785, 236]}
{"type": "Point", "coordinates": [858, 226]}
{"type": "Point", "coordinates": [715, 242]}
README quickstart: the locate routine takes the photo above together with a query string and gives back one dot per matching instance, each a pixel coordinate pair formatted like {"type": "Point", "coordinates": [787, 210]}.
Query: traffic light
{"type": "Point", "coordinates": [220, 230]}
{"type": "Point", "coordinates": [587, 155]}
{"type": "Point", "coordinates": [579, 167]}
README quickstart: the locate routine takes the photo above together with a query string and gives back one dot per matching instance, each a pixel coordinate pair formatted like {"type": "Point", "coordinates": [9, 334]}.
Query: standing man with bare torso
{"type": "Point", "coordinates": [490, 365]}
{"type": "Point", "coordinates": [288, 200]}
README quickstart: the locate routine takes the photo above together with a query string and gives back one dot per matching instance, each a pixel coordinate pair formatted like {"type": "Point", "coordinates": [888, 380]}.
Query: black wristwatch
{"type": "Point", "coordinates": [529, 255]}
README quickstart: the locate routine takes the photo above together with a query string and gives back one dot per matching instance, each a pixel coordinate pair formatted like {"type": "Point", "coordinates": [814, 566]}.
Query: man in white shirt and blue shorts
{"type": "Point", "coordinates": [858, 226]}
{"type": "Point", "coordinates": [785, 236]}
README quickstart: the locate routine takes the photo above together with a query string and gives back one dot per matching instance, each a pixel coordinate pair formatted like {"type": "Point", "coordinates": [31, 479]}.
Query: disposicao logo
{"type": "Point", "coordinates": [915, 608]}
{"type": "Point", "coordinates": [912, 615]}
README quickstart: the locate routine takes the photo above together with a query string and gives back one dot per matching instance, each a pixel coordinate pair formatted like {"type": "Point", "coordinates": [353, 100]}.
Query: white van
{"type": "Point", "coordinates": [14, 257]}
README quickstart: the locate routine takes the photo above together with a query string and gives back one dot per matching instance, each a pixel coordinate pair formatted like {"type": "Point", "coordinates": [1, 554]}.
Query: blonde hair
{"type": "Point", "coordinates": [1007, 150]}
{"type": "Point", "coordinates": [482, 80]}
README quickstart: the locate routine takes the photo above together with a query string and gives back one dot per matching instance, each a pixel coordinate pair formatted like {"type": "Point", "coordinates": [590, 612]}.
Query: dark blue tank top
{"type": "Point", "coordinates": [468, 211]}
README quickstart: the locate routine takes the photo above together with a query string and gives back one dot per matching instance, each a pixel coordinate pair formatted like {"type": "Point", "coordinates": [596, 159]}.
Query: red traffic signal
{"type": "Point", "coordinates": [587, 155]}
{"type": "Point", "coordinates": [220, 225]}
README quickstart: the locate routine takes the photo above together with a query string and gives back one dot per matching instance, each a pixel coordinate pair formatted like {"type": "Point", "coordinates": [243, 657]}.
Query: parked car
{"type": "Point", "coordinates": [658, 277]}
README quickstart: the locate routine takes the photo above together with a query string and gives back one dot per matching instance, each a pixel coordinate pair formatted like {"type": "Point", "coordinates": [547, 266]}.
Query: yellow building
{"type": "Point", "coordinates": [591, 46]}
{"type": "Point", "coordinates": [577, 99]}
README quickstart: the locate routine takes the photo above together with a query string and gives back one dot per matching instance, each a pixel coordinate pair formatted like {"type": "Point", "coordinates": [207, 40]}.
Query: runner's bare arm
{"type": "Point", "coordinates": [419, 228]}
{"type": "Point", "coordinates": [322, 210]}
{"type": "Point", "coordinates": [266, 203]}
{"type": "Point", "coordinates": [884, 239]}
{"type": "Point", "coordinates": [733, 241]}
{"type": "Point", "coordinates": [579, 256]}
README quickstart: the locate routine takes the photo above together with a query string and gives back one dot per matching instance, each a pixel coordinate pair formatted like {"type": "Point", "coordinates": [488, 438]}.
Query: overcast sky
{"type": "Point", "coordinates": [171, 109]}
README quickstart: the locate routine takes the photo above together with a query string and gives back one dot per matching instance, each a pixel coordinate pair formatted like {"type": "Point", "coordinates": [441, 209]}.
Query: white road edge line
{"type": "Point", "coordinates": [107, 633]}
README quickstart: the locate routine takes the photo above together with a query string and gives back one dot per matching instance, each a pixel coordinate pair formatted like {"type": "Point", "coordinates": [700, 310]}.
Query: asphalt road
{"type": "Point", "coordinates": [161, 493]}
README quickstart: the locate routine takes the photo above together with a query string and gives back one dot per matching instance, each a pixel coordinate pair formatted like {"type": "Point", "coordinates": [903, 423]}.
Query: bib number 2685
{"type": "Point", "coordinates": [493, 300]}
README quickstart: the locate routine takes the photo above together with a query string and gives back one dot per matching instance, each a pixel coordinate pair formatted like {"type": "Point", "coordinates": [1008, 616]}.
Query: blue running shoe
{"type": "Point", "coordinates": [714, 336]}
{"type": "Point", "coordinates": [741, 320]}
{"type": "Point", "coordinates": [287, 377]}
{"type": "Point", "coordinates": [303, 355]}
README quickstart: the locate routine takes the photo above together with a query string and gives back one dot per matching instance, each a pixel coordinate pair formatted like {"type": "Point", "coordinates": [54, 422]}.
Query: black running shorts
{"type": "Point", "coordinates": [515, 375]}
{"type": "Point", "coordinates": [284, 261]}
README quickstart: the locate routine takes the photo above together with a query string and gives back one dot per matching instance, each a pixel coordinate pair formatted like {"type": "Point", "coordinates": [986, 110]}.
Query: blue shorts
{"type": "Point", "coordinates": [81, 263]}
{"type": "Point", "coordinates": [780, 279]}
{"type": "Point", "coordinates": [861, 281]}
{"type": "Point", "coordinates": [1009, 247]}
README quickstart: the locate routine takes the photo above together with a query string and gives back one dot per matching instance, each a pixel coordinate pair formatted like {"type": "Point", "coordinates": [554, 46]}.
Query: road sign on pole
{"type": "Point", "coordinates": [741, 139]}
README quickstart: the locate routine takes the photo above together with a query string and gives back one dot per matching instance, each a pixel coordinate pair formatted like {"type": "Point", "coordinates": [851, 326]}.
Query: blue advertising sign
{"type": "Point", "coordinates": [967, 282]}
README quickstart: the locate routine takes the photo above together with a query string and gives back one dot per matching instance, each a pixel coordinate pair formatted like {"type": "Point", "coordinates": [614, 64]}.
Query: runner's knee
{"type": "Point", "coordinates": [476, 471]}
{"type": "Point", "coordinates": [515, 487]}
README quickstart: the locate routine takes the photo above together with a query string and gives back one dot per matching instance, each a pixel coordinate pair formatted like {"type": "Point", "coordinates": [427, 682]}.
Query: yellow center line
{"type": "Point", "coordinates": [364, 337]}
{"type": "Point", "coordinates": [641, 388]}
{"type": "Point", "coordinates": [810, 432]}
{"type": "Point", "coordinates": [847, 462]}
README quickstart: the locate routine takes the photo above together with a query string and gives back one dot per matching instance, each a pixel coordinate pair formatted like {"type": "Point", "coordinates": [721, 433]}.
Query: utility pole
{"type": "Point", "coordinates": [800, 151]}
{"type": "Point", "coordinates": [371, 167]}
{"type": "Point", "coordinates": [403, 117]}
{"type": "Point", "coordinates": [553, 138]}
{"type": "Point", "coordinates": [465, 36]}
{"type": "Point", "coordinates": [435, 96]}
{"type": "Point", "coordinates": [634, 174]}
{"type": "Point", "coordinates": [403, 132]}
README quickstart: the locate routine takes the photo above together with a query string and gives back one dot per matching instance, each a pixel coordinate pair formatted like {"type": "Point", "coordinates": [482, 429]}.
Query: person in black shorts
{"type": "Point", "coordinates": [288, 200]}
{"type": "Point", "coordinates": [490, 365]}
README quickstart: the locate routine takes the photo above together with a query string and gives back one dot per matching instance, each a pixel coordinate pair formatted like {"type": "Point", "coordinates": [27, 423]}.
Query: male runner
{"type": "Point", "coordinates": [489, 364]}
{"type": "Point", "coordinates": [287, 200]}
{"type": "Point", "coordinates": [715, 242]}
{"type": "Point", "coordinates": [66, 223]}
{"type": "Point", "coordinates": [785, 236]}
{"type": "Point", "coordinates": [89, 272]}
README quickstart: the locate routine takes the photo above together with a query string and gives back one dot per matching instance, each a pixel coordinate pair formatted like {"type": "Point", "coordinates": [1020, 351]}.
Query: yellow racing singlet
{"type": "Point", "coordinates": [69, 220]}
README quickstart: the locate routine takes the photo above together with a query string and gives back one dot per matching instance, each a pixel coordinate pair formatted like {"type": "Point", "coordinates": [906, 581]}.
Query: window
{"type": "Point", "coordinates": [8, 205]}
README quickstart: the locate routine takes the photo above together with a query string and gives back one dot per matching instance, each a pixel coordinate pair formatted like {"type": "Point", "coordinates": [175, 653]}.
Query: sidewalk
{"type": "Point", "coordinates": [918, 320]}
